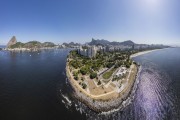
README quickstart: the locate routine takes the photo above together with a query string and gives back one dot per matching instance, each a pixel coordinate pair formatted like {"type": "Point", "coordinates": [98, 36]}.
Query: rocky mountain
{"type": "Point", "coordinates": [71, 44]}
{"type": "Point", "coordinates": [13, 41]}
{"type": "Point", "coordinates": [99, 42]}
{"type": "Point", "coordinates": [127, 42]}
{"type": "Point", "coordinates": [106, 42]}
{"type": "Point", "coordinates": [48, 44]}
{"type": "Point", "coordinates": [31, 44]}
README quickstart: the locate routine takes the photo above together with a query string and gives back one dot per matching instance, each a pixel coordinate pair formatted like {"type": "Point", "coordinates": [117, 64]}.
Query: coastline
{"type": "Point", "coordinates": [97, 104]}
{"type": "Point", "coordinates": [143, 52]}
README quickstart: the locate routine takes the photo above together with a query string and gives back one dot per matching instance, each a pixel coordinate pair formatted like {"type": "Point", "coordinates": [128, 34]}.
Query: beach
{"type": "Point", "coordinates": [143, 52]}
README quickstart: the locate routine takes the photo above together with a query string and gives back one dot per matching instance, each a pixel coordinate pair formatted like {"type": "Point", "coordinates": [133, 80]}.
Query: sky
{"type": "Point", "coordinates": [58, 21]}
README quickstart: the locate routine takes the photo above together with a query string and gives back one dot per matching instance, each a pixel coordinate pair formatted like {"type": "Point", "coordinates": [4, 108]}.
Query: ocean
{"type": "Point", "coordinates": [2, 46]}
{"type": "Point", "coordinates": [34, 86]}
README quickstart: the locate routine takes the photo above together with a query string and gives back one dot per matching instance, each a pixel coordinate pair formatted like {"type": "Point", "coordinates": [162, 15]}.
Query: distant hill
{"type": "Point", "coordinates": [106, 42]}
{"type": "Point", "coordinates": [71, 44]}
{"type": "Point", "coordinates": [48, 44]}
{"type": "Point", "coordinates": [128, 42]}
{"type": "Point", "coordinates": [99, 42]}
{"type": "Point", "coordinates": [31, 44]}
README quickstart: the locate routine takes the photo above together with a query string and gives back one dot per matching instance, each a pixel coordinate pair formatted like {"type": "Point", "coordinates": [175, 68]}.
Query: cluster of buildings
{"type": "Point", "coordinates": [91, 50]}
{"type": "Point", "coordinates": [111, 48]}
{"type": "Point", "coordinates": [88, 51]}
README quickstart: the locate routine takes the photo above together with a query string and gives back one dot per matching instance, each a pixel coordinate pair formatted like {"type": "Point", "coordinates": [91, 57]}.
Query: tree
{"type": "Point", "coordinates": [93, 75]}
{"type": "Point", "coordinates": [76, 77]}
{"type": "Point", "coordinates": [128, 65]}
{"type": "Point", "coordinates": [109, 64]}
{"type": "Point", "coordinates": [74, 63]}
{"type": "Point", "coordinates": [75, 74]}
{"type": "Point", "coordinates": [84, 70]}
{"type": "Point", "coordinates": [116, 65]}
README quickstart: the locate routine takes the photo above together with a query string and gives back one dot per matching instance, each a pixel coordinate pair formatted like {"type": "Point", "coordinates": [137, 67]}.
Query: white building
{"type": "Point", "coordinates": [89, 51]}
{"type": "Point", "coordinates": [122, 71]}
{"type": "Point", "coordinates": [94, 50]}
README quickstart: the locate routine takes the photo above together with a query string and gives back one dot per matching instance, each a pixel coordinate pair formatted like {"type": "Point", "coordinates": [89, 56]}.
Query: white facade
{"type": "Point", "coordinates": [89, 51]}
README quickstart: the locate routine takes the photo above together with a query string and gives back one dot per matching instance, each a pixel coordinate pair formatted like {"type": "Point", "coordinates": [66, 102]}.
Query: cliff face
{"type": "Point", "coordinates": [13, 41]}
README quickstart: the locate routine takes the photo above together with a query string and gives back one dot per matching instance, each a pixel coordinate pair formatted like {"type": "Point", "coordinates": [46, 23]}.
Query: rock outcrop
{"type": "Point", "coordinates": [12, 42]}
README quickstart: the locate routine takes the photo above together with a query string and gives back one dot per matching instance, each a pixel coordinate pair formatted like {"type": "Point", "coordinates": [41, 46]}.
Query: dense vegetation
{"type": "Point", "coordinates": [83, 67]}
{"type": "Point", "coordinates": [90, 66]}
{"type": "Point", "coordinates": [18, 45]}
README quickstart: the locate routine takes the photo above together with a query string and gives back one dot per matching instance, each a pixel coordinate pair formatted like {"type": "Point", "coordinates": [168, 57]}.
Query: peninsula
{"type": "Point", "coordinates": [103, 76]}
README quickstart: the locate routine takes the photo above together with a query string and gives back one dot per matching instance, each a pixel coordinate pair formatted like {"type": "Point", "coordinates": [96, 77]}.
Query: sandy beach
{"type": "Point", "coordinates": [143, 52]}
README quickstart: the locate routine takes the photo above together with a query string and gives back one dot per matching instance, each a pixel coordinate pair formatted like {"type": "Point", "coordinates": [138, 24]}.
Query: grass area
{"type": "Point", "coordinates": [108, 74]}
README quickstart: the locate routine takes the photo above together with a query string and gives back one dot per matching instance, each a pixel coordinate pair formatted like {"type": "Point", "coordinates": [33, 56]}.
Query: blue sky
{"type": "Point", "coordinates": [143, 21]}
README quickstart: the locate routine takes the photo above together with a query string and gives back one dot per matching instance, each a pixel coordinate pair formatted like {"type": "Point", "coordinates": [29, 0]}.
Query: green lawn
{"type": "Point", "coordinates": [108, 74]}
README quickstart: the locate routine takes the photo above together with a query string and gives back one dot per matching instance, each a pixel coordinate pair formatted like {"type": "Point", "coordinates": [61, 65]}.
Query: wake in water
{"type": "Point", "coordinates": [154, 99]}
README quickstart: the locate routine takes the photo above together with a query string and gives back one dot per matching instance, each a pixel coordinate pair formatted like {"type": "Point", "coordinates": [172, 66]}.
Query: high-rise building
{"type": "Point", "coordinates": [89, 51]}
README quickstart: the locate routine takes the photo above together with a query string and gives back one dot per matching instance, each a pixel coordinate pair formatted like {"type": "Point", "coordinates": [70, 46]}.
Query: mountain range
{"type": "Point", "coordinates": [31, 44]}
{"type": "Point", "coordinates": [106, 42]}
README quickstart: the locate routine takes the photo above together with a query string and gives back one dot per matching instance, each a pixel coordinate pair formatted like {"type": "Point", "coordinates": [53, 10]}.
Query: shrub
{"type": "Point", "coordinates": [84, 85]}
{"type": "Point", "coordinates": [99, 82]}
{"type": "Point", "coordinates": [75, 73]}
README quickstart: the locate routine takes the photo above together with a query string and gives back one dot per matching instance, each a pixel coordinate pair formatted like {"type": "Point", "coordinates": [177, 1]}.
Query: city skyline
{"type": "Point", "coordinates": [142, 21]}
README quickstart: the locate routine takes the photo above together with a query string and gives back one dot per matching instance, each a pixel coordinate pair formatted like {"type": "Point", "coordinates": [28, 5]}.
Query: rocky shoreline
{"type": "Point", "coordinates": [103, 106]}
